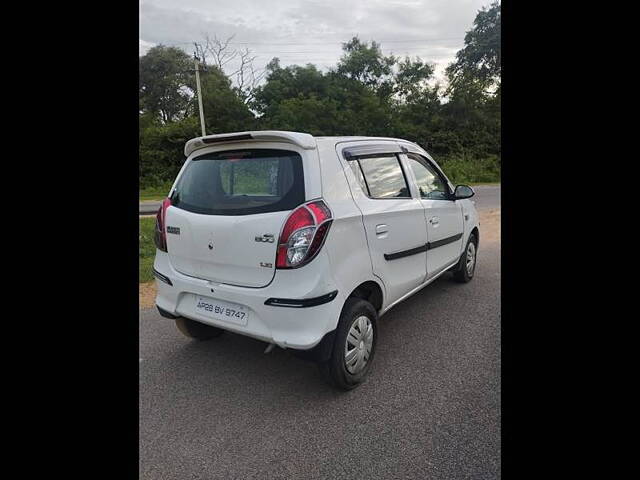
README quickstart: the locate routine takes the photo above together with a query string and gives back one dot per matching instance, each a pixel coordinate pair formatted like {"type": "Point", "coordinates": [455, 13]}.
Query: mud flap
{"type": "Point", "coordinates": [321, 352]}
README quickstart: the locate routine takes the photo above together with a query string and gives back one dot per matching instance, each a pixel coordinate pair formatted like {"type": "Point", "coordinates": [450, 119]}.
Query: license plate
{"type": "Point", "coordinates": [221, 310]}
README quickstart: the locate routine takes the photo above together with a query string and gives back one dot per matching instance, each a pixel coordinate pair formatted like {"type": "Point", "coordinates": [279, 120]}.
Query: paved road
{"type": "Point", "coordinates": [430, 409]}
{"type": "Point", "coordinates": [148, 207]}
{"type": "Point", "coordinates": [487, 196]}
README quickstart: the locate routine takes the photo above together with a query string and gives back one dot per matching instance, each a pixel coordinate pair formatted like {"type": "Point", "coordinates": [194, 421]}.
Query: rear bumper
{"type": "Point", "coordinates": [296, 310]}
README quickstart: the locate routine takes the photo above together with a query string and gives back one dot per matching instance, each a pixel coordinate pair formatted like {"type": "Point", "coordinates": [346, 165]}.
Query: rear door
{"type": "Point", "coordinates": [394, 221]}
{"type": "Point", "coordinates": [443, 215]}
{"type": "Point", "coordinates": [227, 211]}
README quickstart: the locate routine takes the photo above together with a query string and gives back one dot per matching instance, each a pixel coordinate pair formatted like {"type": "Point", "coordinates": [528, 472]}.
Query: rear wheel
{"type": "Point", "coordinates": [354, 345]}
{"type": "Point", "coordinates": [197, 330]}
{"type": "Point", "coordinates": [467, 265]}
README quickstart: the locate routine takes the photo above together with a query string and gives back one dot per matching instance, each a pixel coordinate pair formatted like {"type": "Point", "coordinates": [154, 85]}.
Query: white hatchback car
{"type": "Point", "coordinates": [304, 242]}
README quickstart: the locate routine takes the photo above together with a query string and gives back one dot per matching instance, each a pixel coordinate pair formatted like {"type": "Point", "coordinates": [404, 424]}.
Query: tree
{"type": "Point", "coordinates": [224, 108]}
{"type": "Point", "coordinates": [366, 93]}
{"type": "Point", "coordinates": [165, 84]}
{"type": "Point", "coordinates": [161, 150]}
{"type": "Point", "coordinates": [473, 107]}
{"type": "Point", "coordinates": [244, 76]}
{"type": "Point", "coordinates": [305, 99]}
{"type": "Point", "coordinates": [169, 110]}
{"type": "Point", "coordinates": [366, 64]}
{"type": "Point", "coordinates": [411, 79]}
{"type": "Point", "coordinates": [480, 61]}
{"type": "Point", "coordinates": [286, 83]}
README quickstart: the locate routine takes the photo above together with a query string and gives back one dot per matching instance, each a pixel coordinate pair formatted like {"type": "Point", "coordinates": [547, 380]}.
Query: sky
{"type": "Point", "coordinates": [312, 31]}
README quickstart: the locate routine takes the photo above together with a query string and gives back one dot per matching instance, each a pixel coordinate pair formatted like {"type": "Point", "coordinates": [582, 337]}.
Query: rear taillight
{"type": "Point", "coordinates": [303, 234]}
{"type": "Point", "coordinates": [160, 237]}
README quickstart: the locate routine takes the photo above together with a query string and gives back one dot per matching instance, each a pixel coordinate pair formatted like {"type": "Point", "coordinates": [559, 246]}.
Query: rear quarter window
{"type": "Point", "coordinates": [241, 182]}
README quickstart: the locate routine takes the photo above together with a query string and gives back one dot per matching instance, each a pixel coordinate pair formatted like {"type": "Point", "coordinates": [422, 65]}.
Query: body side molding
{"type": "Point", "coordinates": [422, 248]}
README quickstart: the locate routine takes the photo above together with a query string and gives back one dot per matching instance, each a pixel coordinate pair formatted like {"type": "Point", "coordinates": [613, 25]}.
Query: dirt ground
{"type": "Point", "coordinates": [489, 225]}
{"type": "Point", "coordinates": [147, 295]}
{"type": "Point", "coordinates": [489, 233]}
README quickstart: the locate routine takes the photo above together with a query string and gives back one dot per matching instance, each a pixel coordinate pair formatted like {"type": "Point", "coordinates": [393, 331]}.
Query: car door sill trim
{"type": "Point", "coordinates": [419, 287]}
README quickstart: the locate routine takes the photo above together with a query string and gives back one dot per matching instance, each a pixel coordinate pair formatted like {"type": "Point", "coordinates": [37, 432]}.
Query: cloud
{"type": "Point", "coordinates": [144, 47]}
{"type": "Point", "coordinates": [311, 31]}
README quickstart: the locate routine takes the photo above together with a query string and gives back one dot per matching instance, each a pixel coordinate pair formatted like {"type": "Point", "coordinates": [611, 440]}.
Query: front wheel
{"type": "Point", "coordinates": [354, 345]}
{"type": "Point", "coordinates": [467, 264]}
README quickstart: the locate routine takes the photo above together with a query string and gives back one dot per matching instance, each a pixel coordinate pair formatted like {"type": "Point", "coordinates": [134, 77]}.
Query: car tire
{"type": "Point", "coordinates": [351, 346]}
{"type": "Point", "coordinates": [465, 270]}
{"type": "Point", "coordinates": [197, 330]}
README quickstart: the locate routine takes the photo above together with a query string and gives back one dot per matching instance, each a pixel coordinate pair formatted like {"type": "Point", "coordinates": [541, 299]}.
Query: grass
{"type": "Point", "coordinates": [157, 192]}
{"type": "Point", "coordinates": [147, 249]}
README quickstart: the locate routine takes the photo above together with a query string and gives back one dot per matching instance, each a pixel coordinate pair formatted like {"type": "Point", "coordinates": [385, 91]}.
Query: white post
{"type": "Point", "coordinates": [199, 96]}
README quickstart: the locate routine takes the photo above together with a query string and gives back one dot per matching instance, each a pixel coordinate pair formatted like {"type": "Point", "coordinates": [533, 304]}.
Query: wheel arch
{"type": "Point", "coordinates": [475, 231]}
{"type": "Point", "coordinates": [371, 291]}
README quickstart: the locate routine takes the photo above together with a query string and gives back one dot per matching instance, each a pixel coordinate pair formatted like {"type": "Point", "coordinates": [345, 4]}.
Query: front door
{"type": "Point", "coordinates": [443, 216]}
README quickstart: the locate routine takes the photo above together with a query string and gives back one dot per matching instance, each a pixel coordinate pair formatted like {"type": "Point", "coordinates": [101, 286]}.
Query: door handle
{"type": "Point", "coordinates": [434, 221]}
{"type": "Point", "coordinates": [381, 228]}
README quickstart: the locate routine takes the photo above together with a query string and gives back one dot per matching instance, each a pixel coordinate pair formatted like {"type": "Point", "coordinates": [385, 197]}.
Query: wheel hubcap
{"type": "Point", "coordinates": [357, 349]}
{"type": "Point", "coordinates": [471, 258]}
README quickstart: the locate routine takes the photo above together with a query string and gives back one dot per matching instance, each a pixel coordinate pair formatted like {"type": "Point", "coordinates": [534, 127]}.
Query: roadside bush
{"type": "Point", "coordinates": [462, 169]}
{"type": "Point", "coordinates": [161, 150]}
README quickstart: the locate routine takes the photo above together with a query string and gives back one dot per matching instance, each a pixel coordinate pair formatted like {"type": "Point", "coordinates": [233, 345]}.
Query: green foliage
{"type": "Point", "coordinates": [161, 150]}
{"type": "Point", "coordinates": [165, 85]}
{"type": "Point", "coordinates": [411, 79]}
{"type": "Point", "coordinates": [224, 110]}
{"type": "Point", "coordinates": [161, 143]}
{"type": "Point", "coordinates": [480, 59]}
{"type": "Point", "coordinates": [146, 249]}
{"type": "Point", "coordinates": [366, 64]}
{"type": "Point", "coordinates": [462, 169]}
{"type": "Point", "coordinates": [367, 93]}
{"type": "Point", "coordinates": [155, 190]}
{"type": "Point", "coordinates": [294, 82]}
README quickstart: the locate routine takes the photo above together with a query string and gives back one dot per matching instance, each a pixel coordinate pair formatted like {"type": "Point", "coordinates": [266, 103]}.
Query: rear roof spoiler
{"type": "Point", "coordinates": [302, 140]}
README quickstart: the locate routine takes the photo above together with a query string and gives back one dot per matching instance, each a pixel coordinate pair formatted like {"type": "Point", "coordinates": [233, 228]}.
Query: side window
{"type": "Point", "coordinates": [429, 182]}
{"type": "Point", "coordinates": [382, 176]}
{"type": "Point", "coordinates": [355, 166]}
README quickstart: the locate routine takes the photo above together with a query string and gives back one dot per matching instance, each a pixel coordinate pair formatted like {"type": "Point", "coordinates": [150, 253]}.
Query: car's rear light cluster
{"type": "Point", "coordinates": [303, 234]}
{"type": "Point", "coordinates": [160, 236]}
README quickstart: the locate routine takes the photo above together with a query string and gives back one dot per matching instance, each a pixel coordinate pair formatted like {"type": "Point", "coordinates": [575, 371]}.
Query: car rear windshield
{"type": "Point", "coordinates": [241, 182]}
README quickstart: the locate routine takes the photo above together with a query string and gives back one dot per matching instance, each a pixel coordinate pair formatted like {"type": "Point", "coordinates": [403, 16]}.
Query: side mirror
{"type": "Point", "coordinates": [463, 191]}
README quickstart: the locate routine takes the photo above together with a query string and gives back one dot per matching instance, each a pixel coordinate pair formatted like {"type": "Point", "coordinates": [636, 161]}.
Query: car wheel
{"type": "Point", "coordinates": [197, 330]}
{"type": "Point", "coordinates": [467, 265]}
{"type": "Point", "coordinates": [354, 345]}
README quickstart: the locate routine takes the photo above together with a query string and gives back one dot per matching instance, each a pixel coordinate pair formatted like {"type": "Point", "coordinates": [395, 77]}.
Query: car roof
{"type": "Point", "coordinates": [355, 138]}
